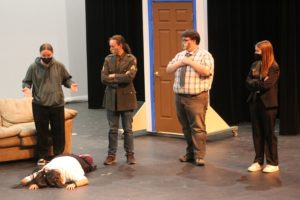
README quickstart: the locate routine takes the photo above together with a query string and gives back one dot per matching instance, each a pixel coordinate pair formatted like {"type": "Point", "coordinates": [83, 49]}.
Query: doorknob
{"type": "Point", "coordinates": [156, 74]}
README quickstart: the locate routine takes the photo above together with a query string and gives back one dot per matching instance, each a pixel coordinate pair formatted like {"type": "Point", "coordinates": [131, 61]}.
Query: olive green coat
{"type": "Point", "coordinates": [120, 94]}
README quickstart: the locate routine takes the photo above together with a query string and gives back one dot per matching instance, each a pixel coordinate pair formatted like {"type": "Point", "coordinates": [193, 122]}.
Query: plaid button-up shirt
{"type": "Point", "coordinates": [194, 82]}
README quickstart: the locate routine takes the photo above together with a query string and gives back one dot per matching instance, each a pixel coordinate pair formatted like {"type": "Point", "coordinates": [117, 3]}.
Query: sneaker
{"type": "Point", "coordinates": [200, 162]}
{"type": "Point", "coordinates": [186, 158]}
{"type": "Point", "coordinates": [254, 167]}
{"type": "Point", "coordinates": [110, 159]}
{"type": "Point", "coordinates": [271, 168]}
{"type": "Point", "coordinates": [130, 158]}
{"type": "Point", "coordinates": [42, 162]}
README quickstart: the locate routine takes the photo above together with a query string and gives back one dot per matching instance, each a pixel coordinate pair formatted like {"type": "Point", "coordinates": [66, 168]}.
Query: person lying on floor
{"type": "Point", "coordinates": [62, 171]}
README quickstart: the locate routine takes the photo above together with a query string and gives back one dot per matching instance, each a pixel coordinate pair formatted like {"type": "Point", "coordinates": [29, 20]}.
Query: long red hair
{"type": "Point", "coordinates": [267, 56]}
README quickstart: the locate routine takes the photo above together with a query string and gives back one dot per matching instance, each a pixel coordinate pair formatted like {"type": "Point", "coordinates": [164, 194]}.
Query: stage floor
{"type": "Point", "coordinates": [158, 175]}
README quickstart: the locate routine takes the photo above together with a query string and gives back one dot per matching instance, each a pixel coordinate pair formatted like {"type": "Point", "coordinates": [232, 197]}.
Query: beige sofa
{"type": "Point", "coordinates": [17, 129]}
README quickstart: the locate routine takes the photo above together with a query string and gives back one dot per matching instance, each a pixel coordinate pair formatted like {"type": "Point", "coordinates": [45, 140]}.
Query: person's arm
{"type": "Point", "coordinates": [81, 182]}
{"type": "Point", "coordinates": [67, 79]}
{"type": "Point", "coordinates": [30, 177]}
{"type": "Point", "coordinates": [251, 83]}
{"type": "Point", "coordinates": [174, 65]}
{"type": "Point", "coordinates": [26, 180]}
{"type": "Point", "coordinates": [27, 82]}
{"type": "Point", "coordinates": [106, 79]}
{"type": "Point", "coordinates": [128, 75]}
{"type": "Point", "coordinates": [204, 69]}
{"type": "Point", "coordinates": [270, 80]}
{"type": "Point", "coordinates": [254, 84]}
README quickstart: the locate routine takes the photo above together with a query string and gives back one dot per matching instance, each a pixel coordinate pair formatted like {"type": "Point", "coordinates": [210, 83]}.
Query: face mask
{"type": "Point", "coordinates": [46, 60]}
{"type": "Point", "coordinates": [257, 56]}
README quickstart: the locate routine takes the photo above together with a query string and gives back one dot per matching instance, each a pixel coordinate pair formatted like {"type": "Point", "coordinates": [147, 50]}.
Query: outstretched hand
{"type": "Point", "coordinates": [74, 87]}
{"type": "Point", "coordinates": [26, 91]}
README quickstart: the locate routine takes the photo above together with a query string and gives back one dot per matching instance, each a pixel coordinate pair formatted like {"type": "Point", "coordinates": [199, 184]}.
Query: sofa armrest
{"type": "Point", "coordinates": [68, 136]}
{"type": "Point", "coordinates": [70, 113]}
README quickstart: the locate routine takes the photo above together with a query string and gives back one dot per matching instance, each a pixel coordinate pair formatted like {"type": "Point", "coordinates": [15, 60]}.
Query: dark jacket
{"type": "Point", "coordinates": [120, 94]}
{"type": "Point", "coordinates": [266, 90]}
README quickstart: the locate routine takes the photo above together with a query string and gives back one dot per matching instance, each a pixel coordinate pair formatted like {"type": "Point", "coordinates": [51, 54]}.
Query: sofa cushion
{"type": "Point", "coordinates": [27, 129]}
{"type": "Point", "coordinates": [10, 142]}
{"type": "Point", "coordinates": [9, 131]}
{"type": "Point", "coordinates": [15, 111]}
{"type": "Point", "coordinates": [28, 141]}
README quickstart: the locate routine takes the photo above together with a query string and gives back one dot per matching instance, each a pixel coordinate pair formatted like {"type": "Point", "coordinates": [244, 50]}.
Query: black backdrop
{"type": "Point", "coordinates": [106, 18]}
{"type": "Point", "coordinates": [234, 27]}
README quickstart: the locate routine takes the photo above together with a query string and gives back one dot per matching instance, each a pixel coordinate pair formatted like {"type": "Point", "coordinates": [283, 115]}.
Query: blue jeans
{"type": "Point", "coordinates": [113, 120]}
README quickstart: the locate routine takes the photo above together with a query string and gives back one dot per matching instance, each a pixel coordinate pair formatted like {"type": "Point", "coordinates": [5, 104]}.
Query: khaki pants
{"type": "Point", "coordinates": [191, 111]}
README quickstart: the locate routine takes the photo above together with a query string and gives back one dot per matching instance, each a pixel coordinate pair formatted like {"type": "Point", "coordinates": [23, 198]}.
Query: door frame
{"type": "Point", "coordinates": [199, 23]}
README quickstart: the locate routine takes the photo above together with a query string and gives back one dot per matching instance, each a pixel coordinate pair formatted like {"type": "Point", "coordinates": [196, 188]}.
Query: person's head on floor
{"type": "Point", "coordinates": [54, 179]}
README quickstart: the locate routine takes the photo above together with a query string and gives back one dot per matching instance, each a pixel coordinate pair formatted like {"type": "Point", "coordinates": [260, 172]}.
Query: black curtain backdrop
{"type": "Point", "coordinates": [234, 27]}
{"type": "Point", "coordinates": [290, 63]}
{"type": "Point", "coordinates": [104, 19]}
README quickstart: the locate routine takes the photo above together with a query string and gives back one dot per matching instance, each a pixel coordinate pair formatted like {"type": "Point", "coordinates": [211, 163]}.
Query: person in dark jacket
{"type": "Point", "coordinates": [262, 82]}
{"type": "Point", "coordinates": [45, 77]}
{"type": "Point", "coordinates": [119, 70]}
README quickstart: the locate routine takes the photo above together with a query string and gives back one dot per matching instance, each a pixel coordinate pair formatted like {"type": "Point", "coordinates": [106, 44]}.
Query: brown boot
{"type": "Point", "coordinates": [130, 158]}
{"type": "Point", "coordinates": [186, 158]}
{"type": "Point", "coordinates": [110, 159]}
{"type": "Point", "coordinates": [199, 162]}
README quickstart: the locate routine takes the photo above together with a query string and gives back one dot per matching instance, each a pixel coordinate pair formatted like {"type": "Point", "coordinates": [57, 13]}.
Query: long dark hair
{"type": "Point", "coordinates": [121, 41]}
{"type": "Point", "coordinates": [47, 178]}
{"type": "Point", "coordinates": [267, 56]}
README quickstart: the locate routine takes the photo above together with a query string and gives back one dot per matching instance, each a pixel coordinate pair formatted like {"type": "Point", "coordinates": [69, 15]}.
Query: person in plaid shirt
{"type": "Point", "coordinates": [194, 70]}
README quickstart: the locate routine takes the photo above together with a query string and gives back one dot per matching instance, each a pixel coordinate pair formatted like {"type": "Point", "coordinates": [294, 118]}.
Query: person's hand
{"type": "Point", "coordinates": [266, 78]}
{"type": "Point", "coordinates": [187, 61]}
{"type": "Point", "coordinates": [74, 87]}
{"type": "Point", "coordinates": [111, 76]}
{"type": "Point", "coordinates": [26, 91]}
{"type": "Point", "coordinates": [33, 187]}
{"type": "Point", "coordinates": [71, 186]}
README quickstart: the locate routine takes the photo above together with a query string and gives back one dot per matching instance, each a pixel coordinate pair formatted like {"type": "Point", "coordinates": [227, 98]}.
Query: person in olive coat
{"type": "Point", "coordinates": [119, 70]}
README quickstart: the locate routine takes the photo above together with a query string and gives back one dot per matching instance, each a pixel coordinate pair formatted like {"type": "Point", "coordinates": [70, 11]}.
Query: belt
{"type": "Point", "coordinates": [191, 95]}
